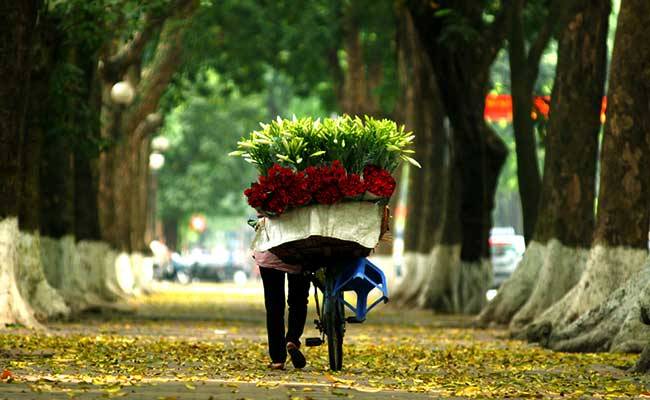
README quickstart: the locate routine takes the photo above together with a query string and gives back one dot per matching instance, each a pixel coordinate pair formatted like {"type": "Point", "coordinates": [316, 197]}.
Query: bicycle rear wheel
{"type": "Point", "coordinates": [334, 322]}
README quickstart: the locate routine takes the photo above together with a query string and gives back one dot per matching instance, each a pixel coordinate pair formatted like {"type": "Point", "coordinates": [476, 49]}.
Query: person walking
{"type": "Point", "coordinates": [273, 271]}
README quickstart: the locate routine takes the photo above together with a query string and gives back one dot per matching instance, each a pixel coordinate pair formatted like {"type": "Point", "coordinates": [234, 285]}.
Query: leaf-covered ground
{"type": "Point", "coordinates": [208, 341]}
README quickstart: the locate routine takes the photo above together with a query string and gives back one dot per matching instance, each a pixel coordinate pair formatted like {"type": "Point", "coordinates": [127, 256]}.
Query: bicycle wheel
{"type": "Point", "coordinates": [334, 322]}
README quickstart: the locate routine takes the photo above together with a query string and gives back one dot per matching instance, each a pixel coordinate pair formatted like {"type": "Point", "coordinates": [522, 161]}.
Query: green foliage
{"type": "Point", "coordinates": [198, 176]}
{"type": "Point", "coordinates": [300, 39]}
{"type": "Point", "coordinates": [300, 143]}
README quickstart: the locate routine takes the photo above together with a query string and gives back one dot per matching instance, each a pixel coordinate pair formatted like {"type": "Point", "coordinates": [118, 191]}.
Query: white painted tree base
{"type": "Point", "coordinates": [89, 275]}
{"type": "Point", "coordinates": [614, 325]}
{"type": "Point", "coordinates": [13, 307]}
{"type": "Point", "coordinates": [408, 290]}
{"type": "Point", "coordinates": [46, 301]}
{"type": "Point", "coordinates": [590, 317]}
{"type": "Point", "coordinates": [606, 270]}
{"type": "Point", "coordinates": [142, 268]}
{"type": "Point", "coordinates": [440, 281]}
{"type": "Point", "coordinates": [441, 277]}
{"type": "Point", "coordinates": [516, 290]}
{"type": "Point", "coordinates": [473, 284]}
{"type": "Point", "coordinates": [561, 269]}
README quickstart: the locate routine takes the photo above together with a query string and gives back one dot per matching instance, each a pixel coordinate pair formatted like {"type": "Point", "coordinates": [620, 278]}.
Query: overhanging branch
{"type": "Point", "coordinates": [131, 53]}
{"type": "Point", "coordinates": [165, 63]}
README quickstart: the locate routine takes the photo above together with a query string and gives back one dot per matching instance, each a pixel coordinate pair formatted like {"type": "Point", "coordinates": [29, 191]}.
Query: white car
{"type": "Point", "coordinates": [506, 250]}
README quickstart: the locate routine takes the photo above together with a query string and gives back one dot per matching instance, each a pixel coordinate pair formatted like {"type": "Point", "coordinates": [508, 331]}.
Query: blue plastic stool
{"type": "Point", "coordinates": [362, 276]}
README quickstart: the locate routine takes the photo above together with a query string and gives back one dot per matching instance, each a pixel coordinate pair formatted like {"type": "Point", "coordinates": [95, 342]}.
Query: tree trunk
{"type": "Point", "coordinates": [621, 233]}
{"type": "Point", "coordinates": [360, 78]}
{"type": "Point", "coordinates": [461, 66]}
{"type": "Point", "coordinates": [17, 24]}
{"type": "Point", "coordinates": [57, 187]}
{"type": "Point", "coordinates": [86, 184]}
{"type": "Point", "coordinates": [121, 219]}
{"type": "Point", "coordinates": [139, 199]}
{"type": "Point", "coordinates": [426, 188]}
{"type": "Point", "coordinates": [170, 232]}
{"type": "Point", "coordinates": [523, 73]}
{"type": "Point", "coordinates": [566, 218]}
{"type": "Point", "coordinates": [87, 164]}
{"type": "Point", "coordinates": [46, 302]}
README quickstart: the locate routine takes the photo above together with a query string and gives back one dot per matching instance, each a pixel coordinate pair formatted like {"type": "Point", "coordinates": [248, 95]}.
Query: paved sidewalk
{"type": "Point", "coordinates": [203, 391]}
{"type": "Point", "coordinates": [208, 341]}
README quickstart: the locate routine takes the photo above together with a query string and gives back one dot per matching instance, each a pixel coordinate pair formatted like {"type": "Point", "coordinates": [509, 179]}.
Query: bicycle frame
{"type": "Point", "coordinates": [360, 276]}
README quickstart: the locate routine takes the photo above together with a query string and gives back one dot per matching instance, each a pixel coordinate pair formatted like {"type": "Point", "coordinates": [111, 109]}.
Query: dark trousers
{"type": "Point", "coordinates": [297, 300]}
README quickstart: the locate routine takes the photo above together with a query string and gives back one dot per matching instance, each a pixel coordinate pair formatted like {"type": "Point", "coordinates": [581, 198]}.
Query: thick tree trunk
{"type": "Point", "coordinates": [86, 216]}
{"type": "Point", "coordinates": [461, 68]}
{"type": "Point", "coordinates": [17, 24]}
{"type": "Point", "coordinates": [478, 157]}
{"type": "Point", "coordinates": [44, 300]}
{"type": "Point", "coordinates": [122, 222]}
{"type": "Point", "coordinates": [566, 218]}
{"type": "Point", "coordinates": [426, 193]}
{"type": "Point", "coordinates": [86, 160]}
{"type": "Point", "coordinates": [623, 220]}
{"type": "Point", "coordinates": [57, 188]}
{"type": "Point", "coordinates": [360, 78]}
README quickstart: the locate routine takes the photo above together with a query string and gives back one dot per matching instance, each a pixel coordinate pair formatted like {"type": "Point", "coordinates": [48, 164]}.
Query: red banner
{"type": "Point", "coordinates": [498, 107]}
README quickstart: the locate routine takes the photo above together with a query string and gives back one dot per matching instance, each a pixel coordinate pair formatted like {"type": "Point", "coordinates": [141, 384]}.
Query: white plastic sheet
{"type": "Point", "coordinates": [356, 221]}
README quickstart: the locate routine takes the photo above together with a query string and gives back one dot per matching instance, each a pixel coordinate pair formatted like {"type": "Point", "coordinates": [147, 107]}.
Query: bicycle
{"type": "Point", "coordinates": [335, 266]}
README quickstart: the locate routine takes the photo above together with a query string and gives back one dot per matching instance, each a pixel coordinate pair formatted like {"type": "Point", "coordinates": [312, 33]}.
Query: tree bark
{"type": "Point", "coordinates": [57, 188]}
{"type": "Point", "coordinates": [17, 24]}
{"type": "Point", "coordinates": [87, 162]}
{"type": "Point", "coordinates": [623, 218]}
{"type": "Point", "coordinates": [360, 79]}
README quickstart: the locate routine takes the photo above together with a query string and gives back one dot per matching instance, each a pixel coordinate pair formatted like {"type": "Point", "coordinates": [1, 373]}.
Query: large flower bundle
{"type": "Point", "coordinates": [305, 161]}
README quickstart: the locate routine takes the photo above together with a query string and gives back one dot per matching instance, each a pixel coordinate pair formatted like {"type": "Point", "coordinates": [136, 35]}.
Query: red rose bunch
{"type": "Point", "coordinates": [378, 181]}
{"type": "Point", "coordinates": [351, 185]}
{"type": "Point", "coordinates": [282, 187]}
{"type": "Point", "coordinates": [323, 182]}
{"type": "Point", "coordinates": [256, 195]}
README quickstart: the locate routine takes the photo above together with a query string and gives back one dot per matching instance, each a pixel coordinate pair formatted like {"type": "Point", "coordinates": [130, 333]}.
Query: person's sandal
{"type": "Point", "coordinates": [297, 359]}
{"type": "Point", "coordinates": [276, 366]}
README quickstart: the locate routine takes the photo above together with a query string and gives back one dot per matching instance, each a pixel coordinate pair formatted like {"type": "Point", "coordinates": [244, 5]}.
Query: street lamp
{"type": "Point", "coordinates": [122, 93]}
{"type": "Point", "coordinates": [160, 144]}
{"type": "Point", "coordinates": [156, 161]}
